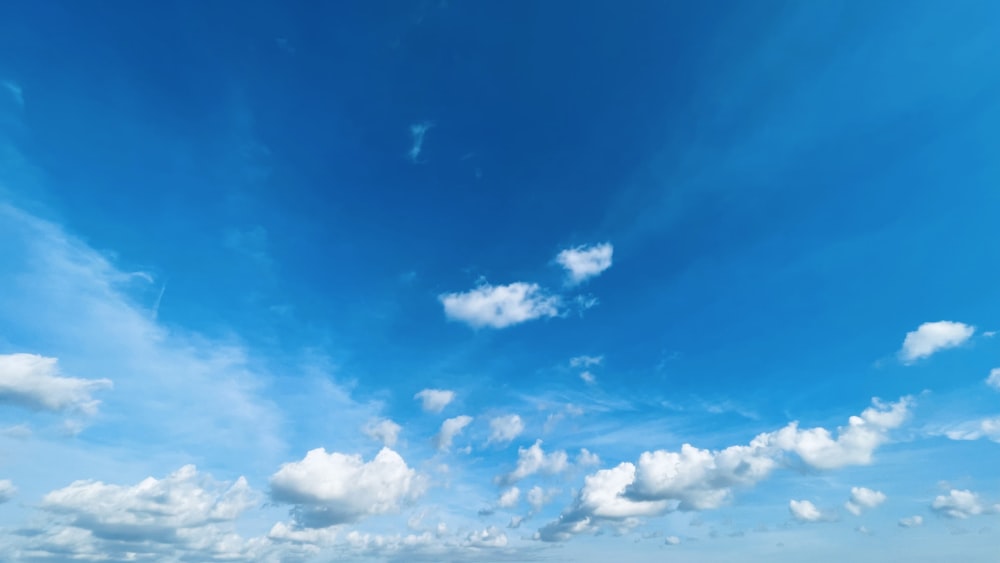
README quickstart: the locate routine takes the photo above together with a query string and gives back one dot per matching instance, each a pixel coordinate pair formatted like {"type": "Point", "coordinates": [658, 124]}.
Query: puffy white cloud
{"type": "Point", "coordinates": [383, 430]}
{"type": "Point", "coordinates": [862, 498]}
{"type": "Point", "coordinates": [34, 382]}
{"type": "Point", "coordinates": [488, 537]}
{"type": "Point", "coordinates": [586, 457]}
{"type": "Point", "coordinates": [994, 379]}
{"type": "Point", "coordinates": [509, 497]}
{"type": "Point", "coordinates": [932, 337]}
{"type": "Point", "coordinates": [854, 444]}
{"type": "Point", "coordinates": [7, 490]}
{"type": "Point", "coordinates": [911, 521]}
{"type": "Point", "coordinates": [282, 532]}
{"type": "Point", "coordinates": [505, 428]}
{"type": "Point", "coordinates": [334, 488]}
{"type": "Point", "coordinates": [961, 504]}
{"type": "Point", "coordinates": [804, 511]}
{"type": "Point", "coordinates": [435, 400]}
{"type": "Point", "coordinates": [584, 262]}
{"type": "Point", "coordinates": [534, 460]}
{"type": "Point", "coordinates": [500, 306]}
{"type": "Point", "coordinates": [697, 479]}
{"type": "Point", "coordinates": [449, 429]}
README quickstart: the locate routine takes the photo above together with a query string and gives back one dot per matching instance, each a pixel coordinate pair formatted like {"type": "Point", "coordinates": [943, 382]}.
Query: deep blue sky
{"type": "Point", "coordinates": [269, 226]}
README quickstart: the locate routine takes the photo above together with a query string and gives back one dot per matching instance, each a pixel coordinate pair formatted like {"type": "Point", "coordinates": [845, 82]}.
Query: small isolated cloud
{"type": "Point", "coordinates": [417, 133]}
{"type": "Point", "coordinates": [503, 429]}
{"type": "Point", "coordinates": [585, 361]}
{"type": "Point", "coordinates": [449, 429]}
{"type": "Point", "coordinates": [911, 522]}
{"type": "Point", "coordinates": [500, 306]}
{"type": "Point", "coordinates": [672, 540]}
{"type": "Point", "coordinates": [994, 379]}
{"type": "Point", "coordinates": [863, 498]}
{"type": "Point", "coordinates": [15, 91]}
{"type": "Point", "coordinates": [988, 428]}
{"type": "Point", "coordinates": [586, 458]}
{"type": "Point", "coordinates": [933, 337]}
{"type": "Point", "coordinates": [804, 511]}
{"type": "Point", "coordinates": [509, 497]}
{"type": "Point", "coordinates": [383, 430]}
{"type": "Point", "coordinates": [534, 460]}
{"type": "Point", "coordinates": [584, 262]}
{"type": "Point", "coordinates": [960, 504]}
{"type": "Point", "coordinates": [7, 490]}
{"type": "Point", "coordinates": [335, 488]}
{"type": "Point", "coordinates": [435, 400]}
{"type": "Point", "coordinates": [34, 382]}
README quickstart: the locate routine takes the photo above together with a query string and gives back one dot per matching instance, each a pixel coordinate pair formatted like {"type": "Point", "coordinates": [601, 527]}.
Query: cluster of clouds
{"type": "Point", "coordinates": [501, 306]}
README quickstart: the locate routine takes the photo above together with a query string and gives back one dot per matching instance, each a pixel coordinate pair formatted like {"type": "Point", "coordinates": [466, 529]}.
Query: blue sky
{"type": "Point", "coordinates": [458, 281]}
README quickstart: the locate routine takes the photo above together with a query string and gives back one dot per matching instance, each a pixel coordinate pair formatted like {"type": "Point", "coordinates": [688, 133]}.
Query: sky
{"type": "Point", "coordinates": [514, 281]}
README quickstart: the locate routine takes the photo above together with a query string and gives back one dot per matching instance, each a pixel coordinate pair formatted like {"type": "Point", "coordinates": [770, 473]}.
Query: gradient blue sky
{"type": "Point", "coordinates": [466, 281]}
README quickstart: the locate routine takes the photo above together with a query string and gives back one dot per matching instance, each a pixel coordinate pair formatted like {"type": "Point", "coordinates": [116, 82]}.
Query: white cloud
{"type": "Point", "coordinates": [449, 429]}
{"type": "Point", "coordinates": [586, 457]}
{"type": "Point", "coordinates": [911, 521]}
{"type": "Point", "coordinates": [862, 498]}
{"type": "Point", "coordinates": [585, 361]}
{"type": "Point", "coordinates": [804, 511]}
{"type": "Point", "coordinates": [588, 377]}
{"type": "Point", "coordinates": [488, 537]}
{"type": "Point", "coordinates": [932, 337]}
{"type": "Point", "coordinates": [503, 429]}
{"type": "Point", "coordinates": [960, 504]}
{"type": "Point", "coordinates": [584, 262]}
{"type": "Point", "coordinates": [994, 379]}
{"type": "Point", "coordinates": [696, 479]}
{"type": "Point", "coordinates": [988, 428]}
{"type": "Point", "coordinates": [435, 400]}
{"type": "Point", "coordinates": [533, 460]}
{"type": "Point", "coordinates": [7, 490]}
{"type": "Point", "coordinates": [672, 540]}
{"type": "Point", "coordinates": [34, 382]}
{"type": "Point", "coordinates": [417, 132]}
{"type": "Point", "coordinates": [509, 497]}
{"type": "Point", "coordinates": [500, 306]}
{"type": "Point", "coordinates": [15, 91]}
{"type": "Point", "coordinates": [538, 497]}
{"type": "Point", "coordinates": [334, 488]}
{"type": "Point", "coordinates": [383, 430]}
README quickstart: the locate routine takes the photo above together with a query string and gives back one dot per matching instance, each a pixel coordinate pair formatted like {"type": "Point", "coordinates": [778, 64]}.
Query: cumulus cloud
{"type": "Point", "coordinates": [586, 457]}
{"type": "Point", "coordinates": [186, 513]}
{"type": "Point", "coordinates": [503, 429]}
{"type": "Point", "coordinates": [694, 479]}
{"type": "Point", "coordinates": [994, 379]}
{"type": "Point", "coordinates": [584, 262]}
{"type": "Point", "coordinates": [500, 306]}
{"type": "Point", "coordinates": [538, 497]}
{"type": "Point", "coordinates": [509, 497]}
{"type": "Point", "coordinates": [449, 429]}
{"type": "Point", "coordinates": [862, 498]}
{"type": "Point", "coordinates": [488, 537]}
{"type": "Point", "coordinates": [804, 511]}
{"type": "Point", "coordinates": [7, 490]}
{"type": "Point", "coordinates": [534, 460]}
{"type": "Point", "coordinates": [334, 488]}
{"type": "Point", "coordinates": [933, 337]}
{"type": "Point", "coordinates": [988, 428]}
{"type": "Point", "coordinates": [383, 430]}
{"type": "Point", "coordinates": [961, 504]}
{"type": "Point", "coordinates": [34, 382]}
{"type": "Point", "coordinates": [435, 400]}
{"type": "Point", "coordinates": [911, 521]}
{"type": "Point", "coordinates": [672, 540]}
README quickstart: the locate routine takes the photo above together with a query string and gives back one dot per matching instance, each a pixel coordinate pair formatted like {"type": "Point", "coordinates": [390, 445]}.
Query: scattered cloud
{"type": "Point", "coordinates": [449, 429]}
{"type": "Point", "coordinates": [334, 488]}
{"type": "Point", "coordinates": [586, 458]}
{"type": "Point", "coordinates": [930, 338]}
{"type": "Point", "coordinates": [994, 379]}
{"type": "Point", "coordinates": [672, 540]}
{"type": "Point", "coordinates": [804, 511]}
{"type": "Point", "coordinates": [509, 498]}
{"type": "Point", "coordinates": [435, 400]}
{"type": "Point", "coordinates": [863, 498]}
{"type": "Point", "coordinates": [694, 479]}
{"type": "Point", "coordinates": [588, 377]}
{"type": "Point", "coordinates": [500, 306]}
{"type": "Point", "coordinates": [585, 361]}
{"type": "Point", "coordinates": [505, 428]}
{"type": "Point", "coordinates": [417, 133]}
{"type": "Point", "coordinates": [584, 262]}
{"type": "Point", "coordinates": [34, 382]}
{"type": "Point", "coordinates": [960, 504]}
{"type": "Point", "coordinates": [911, 521]}
{"type": "Point", "coordinates": [7, 490]}
{"type": "Point", "coordinates": [988, 428]}
{"type": "Point", "coordinates": [538, 497]}
{"type": "Point", "coordinates": [534, 460]}
{"type": "Point", "coordinates": [383, 430]}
